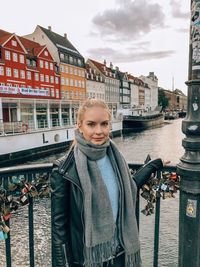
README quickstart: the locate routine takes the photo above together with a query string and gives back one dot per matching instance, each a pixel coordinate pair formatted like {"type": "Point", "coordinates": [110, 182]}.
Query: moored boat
{"type": "Point", "coordinates": [141, 120]}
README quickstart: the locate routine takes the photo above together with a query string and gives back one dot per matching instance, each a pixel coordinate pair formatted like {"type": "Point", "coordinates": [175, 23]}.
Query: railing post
{"type": "Point", "coordinates": [189, 166]}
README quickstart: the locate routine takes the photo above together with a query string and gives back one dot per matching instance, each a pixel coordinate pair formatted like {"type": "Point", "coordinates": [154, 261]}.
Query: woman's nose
{"type": "Point", "coordinates": [98, 129]}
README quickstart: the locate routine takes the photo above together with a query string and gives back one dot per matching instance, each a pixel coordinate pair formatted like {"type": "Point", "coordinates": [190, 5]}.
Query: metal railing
{"type": "Point", "coordinates": [31, 173]}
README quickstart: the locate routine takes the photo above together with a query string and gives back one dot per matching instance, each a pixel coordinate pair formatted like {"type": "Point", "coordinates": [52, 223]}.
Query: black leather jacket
{"type": "Point", "coordinates": [67, 209]}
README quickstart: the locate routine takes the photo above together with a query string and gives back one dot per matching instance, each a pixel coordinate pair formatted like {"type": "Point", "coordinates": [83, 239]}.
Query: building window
{"type": "Point", "coordinates": [57, 93]}
{"type": "Point", "coordinates": [62, 81]}
{"type": "Point", "coordinates": [14, 43]}
{"type": "Point", "coordinates": [21, 59]}
{"type": "Point", "coordinates": [16, 73]}
{"type": "Point", "coordinates": [8, 72]}
{"type": "Point", "coordinates": [52, 92]}
{"type": "Point", "coordinates": [75, 83]}
{"type": "Point", "coordinates": [45, 53]}
{"type": "Point", "coordinates": [47, 78]}
{"type": "Point", "coordinates": [7, 55]}
{"type": "Point", "coordinates": [15, 57]}
{"type": "Point", "coordinates": [42, 77]}
{"type": "Point", "coordinates": [71, 82]}
{"type": "Point", "coordinates": [46, 65]}
{"type": "Point", "coordinates": [36, 77]}
{"type": "Point", "coordinates": [41, 64]}
{"type": "Point", "coordinates": [70, 59]}
{"type": "Point", "coordinates": [67, 81]}
{"type": "Point", "coordinates": [66, 69]}
{"type": "Point", "coordinates": [22, 74]}
{"type": "Point", "coordinates": [61, 69]}
{"type": "Point", "coordinates": [28, 75]}
{"type": "Point", "coordinates": [56, 80]}
{"type": "Point", "coordinates": [51, 66]}
{"type": "Point", "coordinates": [71, 70]}
{"type": "Point", "coordinates": [75, 71]}
{"type": "Point", "coordinates": [52, 79]}
{"type": "Point", "coordinates": [61, 56]}
{"type": "Point", "coordinates": [1, 70]}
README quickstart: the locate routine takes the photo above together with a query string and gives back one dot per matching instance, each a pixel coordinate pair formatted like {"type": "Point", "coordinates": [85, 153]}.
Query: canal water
{"type": "Point", "coordinates": [164, 142]}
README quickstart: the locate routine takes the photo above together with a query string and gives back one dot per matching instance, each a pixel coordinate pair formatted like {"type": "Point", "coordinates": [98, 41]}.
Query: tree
{"type": "Point", "coordinates": [163, 101]}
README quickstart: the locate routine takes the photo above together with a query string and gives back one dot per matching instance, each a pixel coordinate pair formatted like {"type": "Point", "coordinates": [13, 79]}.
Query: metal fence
{"type": "Point", "coordinates": [34, 180]}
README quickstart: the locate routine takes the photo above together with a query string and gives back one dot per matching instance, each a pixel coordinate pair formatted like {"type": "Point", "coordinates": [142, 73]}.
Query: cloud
{"type": "Point", "coordinates": [130, 19]}
{"type": "Point", "coordinates": [129, 56]}
{"type": "Point", "coordinates": [176, 10]}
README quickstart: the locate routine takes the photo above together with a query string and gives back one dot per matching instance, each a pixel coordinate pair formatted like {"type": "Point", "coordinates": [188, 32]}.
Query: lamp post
{"type": "Point", "coordinates": [189, 166]}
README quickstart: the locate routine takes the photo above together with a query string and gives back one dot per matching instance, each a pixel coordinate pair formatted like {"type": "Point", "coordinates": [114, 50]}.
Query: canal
{"type": "Point", "coordinates": [164, 142]}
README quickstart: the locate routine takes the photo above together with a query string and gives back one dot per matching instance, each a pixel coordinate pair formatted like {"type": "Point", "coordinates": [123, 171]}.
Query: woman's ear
{"type": "Point", "coordinates": [79, 127]}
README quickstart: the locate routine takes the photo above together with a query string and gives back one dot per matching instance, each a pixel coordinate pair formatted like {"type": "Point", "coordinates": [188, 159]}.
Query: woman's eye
{"type": "Point", "coordinates": [91, 124]}
{"type": "Point", "coordinates": [105, 124]}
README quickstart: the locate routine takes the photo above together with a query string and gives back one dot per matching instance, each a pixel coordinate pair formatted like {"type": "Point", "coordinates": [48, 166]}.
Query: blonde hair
{"type": "Point", "coordinates": [90, 103]}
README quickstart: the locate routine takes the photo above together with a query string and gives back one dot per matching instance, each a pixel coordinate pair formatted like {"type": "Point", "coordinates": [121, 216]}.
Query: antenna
{"type": "Point", "coordinates": [172, 83]}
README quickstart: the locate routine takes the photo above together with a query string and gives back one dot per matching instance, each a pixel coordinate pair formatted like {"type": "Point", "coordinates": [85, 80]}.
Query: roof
{"type": "Point", "coordinates": [103, 68]}
{"type": "Point", "coordinates": [33, 48]}
{"type": "Point", "coordinates": [60, 41]}
{"type": "Point", "coordinates": [4, 36]}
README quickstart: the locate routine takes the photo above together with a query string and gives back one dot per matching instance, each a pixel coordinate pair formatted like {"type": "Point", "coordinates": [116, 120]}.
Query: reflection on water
{"type": "Point", "coordinates": [164, 142]}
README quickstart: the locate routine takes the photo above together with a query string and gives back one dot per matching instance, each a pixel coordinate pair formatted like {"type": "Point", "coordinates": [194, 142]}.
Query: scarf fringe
{"type": "Point", "coordinates": [96, 256]}
{"type": "Point", "coordinates": [133, 260]}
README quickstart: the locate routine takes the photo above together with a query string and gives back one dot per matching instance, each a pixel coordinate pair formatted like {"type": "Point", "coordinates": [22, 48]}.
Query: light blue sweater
{"type": "Point", "coordinates": [110, 180]}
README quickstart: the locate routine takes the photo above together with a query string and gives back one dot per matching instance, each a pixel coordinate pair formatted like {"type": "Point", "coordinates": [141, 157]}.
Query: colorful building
{"type": "Point", "coordinates": [27, 72]}
{"type": "Point", "coordinates": [71, 62]}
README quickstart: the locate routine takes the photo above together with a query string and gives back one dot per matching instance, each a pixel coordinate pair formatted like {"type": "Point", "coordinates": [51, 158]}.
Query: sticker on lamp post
{"type": "Point", "coordinates": [191, 208]}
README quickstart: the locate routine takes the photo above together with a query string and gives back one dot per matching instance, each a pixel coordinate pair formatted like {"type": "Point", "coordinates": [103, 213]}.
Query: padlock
{"type": "Point", "coordinates": [12, 187]}
{"type": "Point", "coordinates": [32, 191]}
{"type": "Point", "coordinates": [24, 200]}
{"type": "Point", "coordinates": [7, 216]}
{"type": "Point", "coordinates": [2, 235]}
{"type": "Point", "coordinates": [5, 228]}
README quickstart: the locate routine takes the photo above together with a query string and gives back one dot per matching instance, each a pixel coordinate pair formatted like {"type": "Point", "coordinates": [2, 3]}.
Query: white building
{"type": "Point", "coordinates": [152, 82]}
{"type": "Point", "coordinates": [95, 87]}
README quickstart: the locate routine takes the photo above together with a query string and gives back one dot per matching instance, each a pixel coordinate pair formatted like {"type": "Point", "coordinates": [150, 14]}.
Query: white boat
{"type": "Point", "coordinates": [27, 144]}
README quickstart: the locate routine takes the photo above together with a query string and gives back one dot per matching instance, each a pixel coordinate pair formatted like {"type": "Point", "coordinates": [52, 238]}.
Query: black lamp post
{"type": "Point", "coordinates": [189, 166]}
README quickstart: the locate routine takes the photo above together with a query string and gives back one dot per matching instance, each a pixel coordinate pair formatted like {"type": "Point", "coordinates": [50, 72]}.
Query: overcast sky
{"type": "Point", "coordinates": [138, 36]}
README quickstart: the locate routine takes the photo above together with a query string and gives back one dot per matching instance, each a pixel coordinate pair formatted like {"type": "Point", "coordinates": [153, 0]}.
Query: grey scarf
{"type": "Point", "coordinates": [98, 217]}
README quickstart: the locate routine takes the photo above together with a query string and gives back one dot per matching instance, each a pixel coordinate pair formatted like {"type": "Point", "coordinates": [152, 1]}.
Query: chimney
{"type": "Point", "coordinates": [104, 62]}
{"type": "Point", "coordinates": [111, 65]}
{"type": "Point", "coordinates": [65, 35]}
{"type": "Point", "coordinates": [49, 28]}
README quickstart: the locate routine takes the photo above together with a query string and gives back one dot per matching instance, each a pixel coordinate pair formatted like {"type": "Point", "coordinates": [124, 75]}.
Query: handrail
{"type": "Point", "coordinates": [30, 172]}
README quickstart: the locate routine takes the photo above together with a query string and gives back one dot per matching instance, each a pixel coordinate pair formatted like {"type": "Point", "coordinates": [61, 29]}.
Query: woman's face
{"type": "Point", "coordinates": [95, 125]}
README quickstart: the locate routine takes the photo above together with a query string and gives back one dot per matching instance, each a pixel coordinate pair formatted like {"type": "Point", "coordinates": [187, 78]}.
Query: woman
{"type": "Point", "coordinates": [94, 196]}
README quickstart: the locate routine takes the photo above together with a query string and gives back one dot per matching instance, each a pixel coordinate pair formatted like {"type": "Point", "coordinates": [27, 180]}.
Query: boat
{"type": "Point", "coordinates": [171, 115]}
{"type": "Point", "coordinates": [140, 119]}
{"type": "Point", "coordinates": [20, 143]}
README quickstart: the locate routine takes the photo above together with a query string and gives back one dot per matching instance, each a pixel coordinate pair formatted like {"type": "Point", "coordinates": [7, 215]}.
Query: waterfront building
{"type": "Point", "coordinates": [95, 87]}
{"type": "Point", "coordinates": [177, 100]}
{"type": "Point", "coordinates": [124, 89]}
{"type": "Point", "coordinates": [147, 97]}
{"type": "Point", "coordinates": [152, 82]}
{"type": "Point", "coordinates": [71, 62]}
{"type": "Point", "coordinates": [111, 83]}
{"type": "Point", "coordinates": [141, 93]}
{"type": "Point", "coordinates": [28, 76]}
{"type": "Point", "coordinates": [134, 91]}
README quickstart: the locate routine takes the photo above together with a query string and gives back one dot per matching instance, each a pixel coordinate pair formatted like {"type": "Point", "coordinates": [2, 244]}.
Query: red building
{"type": "Point", "coordinates": [27, 69]}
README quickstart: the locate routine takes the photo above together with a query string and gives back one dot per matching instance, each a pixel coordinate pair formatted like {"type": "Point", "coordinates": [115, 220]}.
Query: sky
{"type": "Point", "coordinates": [138, 36]}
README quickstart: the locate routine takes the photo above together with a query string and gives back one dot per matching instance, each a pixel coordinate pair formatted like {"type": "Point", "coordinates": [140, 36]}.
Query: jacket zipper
{"type": "Point", "coordinates": [65, 255]}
